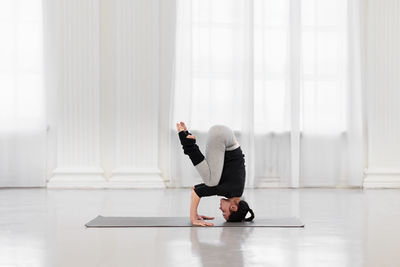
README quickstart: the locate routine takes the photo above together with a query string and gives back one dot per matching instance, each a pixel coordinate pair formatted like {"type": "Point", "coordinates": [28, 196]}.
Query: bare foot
{"type": "Point", "coordinates": [179, 127]}
{"type": "Point", "coordinates": [184, 126]}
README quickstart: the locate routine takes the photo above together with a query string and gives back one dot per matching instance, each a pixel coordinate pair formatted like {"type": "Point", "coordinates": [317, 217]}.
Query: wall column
{"type": "Point", "coordinates": [136, 95]}
{"type": "Point", "coordinates": [78, 157]}
{"type": "Point", "coordinates": [383, 94]}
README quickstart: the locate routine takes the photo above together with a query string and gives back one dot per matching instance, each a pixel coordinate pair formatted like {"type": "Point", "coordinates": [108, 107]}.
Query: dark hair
{"type": "Point", "coordinates": [240, 214]}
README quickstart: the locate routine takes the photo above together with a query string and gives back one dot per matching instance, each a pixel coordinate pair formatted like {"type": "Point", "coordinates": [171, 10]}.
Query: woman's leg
{"type": "Point", "coordinates": [220, 138]}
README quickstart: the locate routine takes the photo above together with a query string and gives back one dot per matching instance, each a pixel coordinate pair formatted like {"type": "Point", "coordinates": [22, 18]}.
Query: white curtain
{"type": "Point", "coordinates": [284, 75]}
{"type": "Point", "coordinates": [22, 105]}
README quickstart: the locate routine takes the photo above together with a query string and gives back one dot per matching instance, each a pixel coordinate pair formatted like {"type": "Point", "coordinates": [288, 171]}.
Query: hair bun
{"type": "Point", "coordinates": [251, 217]}
{"type": "Point", "coordinates": [240, 214]}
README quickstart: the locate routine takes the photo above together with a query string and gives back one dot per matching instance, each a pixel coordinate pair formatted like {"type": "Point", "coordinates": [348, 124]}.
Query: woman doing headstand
{"type": "Point", "coordinates": [222, 171]}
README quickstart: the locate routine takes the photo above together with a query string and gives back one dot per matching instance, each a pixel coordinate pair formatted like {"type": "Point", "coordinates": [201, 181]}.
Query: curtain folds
{"type": "Point", "coordinates": [22, 94]}
{"type": "Point", "coordinates": [284, 75]}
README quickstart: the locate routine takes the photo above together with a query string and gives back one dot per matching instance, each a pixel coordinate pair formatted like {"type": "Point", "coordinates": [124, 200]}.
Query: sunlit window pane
{"type": "Point", "coordinates": [222, 11]}
{"type": "Point", "coordinates": [327, 53]}
{"type": "Point", "coordinates": [270, 106]}
{"type": "Point", "coordinates": [308, 53]}
{"type": "Point", "coordinates": [21, 64]}
{"type": "Point", "coordinates": [323, 107]}
{"type": "Point", "coordinates": [323, 66]}
{"type": "Point", "coordinates": [222, 51]}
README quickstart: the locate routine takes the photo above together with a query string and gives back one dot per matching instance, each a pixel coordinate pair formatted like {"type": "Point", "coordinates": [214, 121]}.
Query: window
{"type": "Point", "coordinates": [235, 58]}
{"type": "Point", "coordinates": [21, 81]}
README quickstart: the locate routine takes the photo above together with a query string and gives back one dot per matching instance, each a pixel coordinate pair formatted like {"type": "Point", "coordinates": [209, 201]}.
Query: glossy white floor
{"type": "Point", "coordinates": [40, 227]}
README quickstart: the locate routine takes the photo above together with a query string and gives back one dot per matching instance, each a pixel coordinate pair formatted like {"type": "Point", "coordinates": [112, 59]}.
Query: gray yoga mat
{"type": "Point", "coordinates": [101, 221]}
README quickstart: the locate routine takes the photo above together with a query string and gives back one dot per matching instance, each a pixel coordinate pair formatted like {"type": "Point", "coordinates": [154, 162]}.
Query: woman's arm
{"type": "Point", "coordinates": [194, 217]}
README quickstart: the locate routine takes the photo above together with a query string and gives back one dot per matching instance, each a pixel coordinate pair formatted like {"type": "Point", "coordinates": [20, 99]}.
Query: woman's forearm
{"type": "Point", "coordinates": [194, 217]}
{"type": "Point", "coordinates": [194, 203]}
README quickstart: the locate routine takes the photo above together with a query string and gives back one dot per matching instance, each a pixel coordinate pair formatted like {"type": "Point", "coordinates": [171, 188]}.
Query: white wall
{"type": "Point", "coordinates": [105, 123]}
{"type": "Point", "coordinates": [382, 82]}
{"type": "Point", "coordinates": [110, 63]}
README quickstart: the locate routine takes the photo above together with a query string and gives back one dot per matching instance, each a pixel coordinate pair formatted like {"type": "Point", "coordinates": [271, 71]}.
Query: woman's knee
{"type": "Point", "coordinates": [218, 130]}
{"type": "Point", "coordinates": [220, 133]}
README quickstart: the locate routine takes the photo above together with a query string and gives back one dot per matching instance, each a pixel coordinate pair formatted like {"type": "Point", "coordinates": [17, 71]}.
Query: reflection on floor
{"type": "Point", "coordinates": [40, 227]}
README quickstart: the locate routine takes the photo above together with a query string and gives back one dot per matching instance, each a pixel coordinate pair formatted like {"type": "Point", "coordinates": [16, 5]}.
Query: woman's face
{"type": "Point", "coordinates": [227, 206]}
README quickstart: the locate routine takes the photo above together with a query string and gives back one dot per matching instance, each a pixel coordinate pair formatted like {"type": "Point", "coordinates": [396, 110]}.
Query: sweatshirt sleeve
{"type": "Point", "coordinates": [203, 190]}
{"type": "Point", "coordinates": [190, 148]}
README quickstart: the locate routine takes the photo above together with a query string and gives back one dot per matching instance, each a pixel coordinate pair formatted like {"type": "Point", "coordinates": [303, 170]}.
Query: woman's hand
{"type": "Point", "coordinates": [201, 223]}
{"type": "Point", "coordinates": [200, 220]}
{"type": "Point", "coordinates": [191, 136]}
{"type": "Point", "coordinates": [202, 217]}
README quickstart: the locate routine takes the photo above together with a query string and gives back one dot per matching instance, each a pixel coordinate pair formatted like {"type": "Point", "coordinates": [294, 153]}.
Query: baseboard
{"type": "Point", "coordinates": [382, 178]}
{"type": "Point", "coordinates": [136, 178]}
{"type": "Point", "coordinates": [77, 181]}
{"type": "Point", "coordinates": [133, 181]}
{"type": "Point", "coordinates": [94, 178]}
{"type": "Point", "coordinates": [267, 182]}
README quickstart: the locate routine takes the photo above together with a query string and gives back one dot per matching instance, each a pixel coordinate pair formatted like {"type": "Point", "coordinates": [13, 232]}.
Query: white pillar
{"type": "Point", "coordinates": [136, 97]}
{"type": "Point", "coordinates": [78, 157]}
{"type": "Point", "coordinates": [383, 93]}
{"type": "Point", "coordinates": [167, 52]}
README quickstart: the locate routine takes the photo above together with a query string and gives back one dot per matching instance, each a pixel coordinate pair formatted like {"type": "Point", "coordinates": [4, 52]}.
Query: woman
{"type": "Point", "coordinates": [222, 170]}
